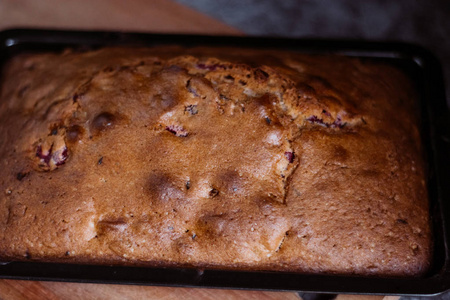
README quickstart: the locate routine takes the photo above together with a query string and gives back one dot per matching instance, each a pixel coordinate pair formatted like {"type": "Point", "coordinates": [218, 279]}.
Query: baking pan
{"type": "Point", "coordinates": [418, 63]}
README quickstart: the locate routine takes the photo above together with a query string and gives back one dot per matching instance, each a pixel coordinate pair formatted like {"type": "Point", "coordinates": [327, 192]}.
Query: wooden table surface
{"type": "Point", "coordinates": [162, 16]}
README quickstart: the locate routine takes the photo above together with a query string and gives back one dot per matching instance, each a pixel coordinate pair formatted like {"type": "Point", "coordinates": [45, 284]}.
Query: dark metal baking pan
{"type": "Point", "coordinates": [418, 63]}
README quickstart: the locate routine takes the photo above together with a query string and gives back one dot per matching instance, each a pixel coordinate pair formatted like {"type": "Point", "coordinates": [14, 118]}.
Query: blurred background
{"type": "Point", "coordinates": [421, 22]}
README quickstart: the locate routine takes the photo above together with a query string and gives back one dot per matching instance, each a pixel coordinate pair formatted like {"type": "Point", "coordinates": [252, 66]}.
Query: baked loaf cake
{"type": "Point", "coordinates": [212, 157]}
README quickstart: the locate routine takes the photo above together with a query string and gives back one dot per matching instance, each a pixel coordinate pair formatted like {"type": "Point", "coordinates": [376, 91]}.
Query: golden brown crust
{"type": "Point", "coordinates": [214, 158]}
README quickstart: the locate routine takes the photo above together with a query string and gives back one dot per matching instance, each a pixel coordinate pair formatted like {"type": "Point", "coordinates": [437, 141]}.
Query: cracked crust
{"type": "Point", "coordinates": [212, 158]}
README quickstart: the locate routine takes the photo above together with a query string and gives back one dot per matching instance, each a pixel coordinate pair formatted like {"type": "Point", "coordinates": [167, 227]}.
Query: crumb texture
{"type": "Point", "coordinates": [218, 158]}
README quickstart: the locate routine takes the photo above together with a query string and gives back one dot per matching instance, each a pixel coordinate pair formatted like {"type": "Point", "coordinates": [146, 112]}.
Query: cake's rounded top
{"type": "Point", "coordinates": [212, 157]}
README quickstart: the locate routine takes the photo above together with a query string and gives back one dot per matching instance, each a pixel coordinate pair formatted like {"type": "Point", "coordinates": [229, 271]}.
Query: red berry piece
{"type": "Point", "coordinates": [177, 130]}
{"type": "Point", "coordinates": [289, 156]}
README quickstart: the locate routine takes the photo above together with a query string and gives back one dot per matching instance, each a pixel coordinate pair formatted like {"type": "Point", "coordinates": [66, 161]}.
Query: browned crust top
{"type": "Point", "coordinates": [211, 157]}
